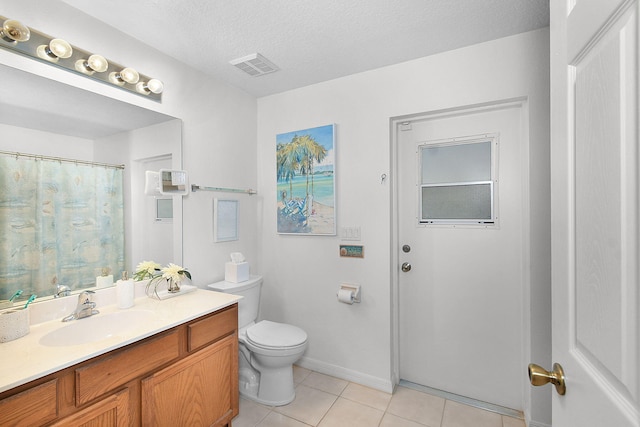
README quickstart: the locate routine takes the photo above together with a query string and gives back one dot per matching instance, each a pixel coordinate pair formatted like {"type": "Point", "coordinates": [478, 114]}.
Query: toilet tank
{"type": "Point", "coordinates": [249, 304]}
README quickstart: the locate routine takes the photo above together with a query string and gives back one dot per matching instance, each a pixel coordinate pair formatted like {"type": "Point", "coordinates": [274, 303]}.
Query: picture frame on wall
{"type": "Point", "coordinates": [305, 173]}
{"type": "Point", "coordinates": [225, 220]}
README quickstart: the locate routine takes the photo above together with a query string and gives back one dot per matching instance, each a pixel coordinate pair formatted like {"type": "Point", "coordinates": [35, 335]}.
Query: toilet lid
{"type": "Point", "coordinates": [273, 334]}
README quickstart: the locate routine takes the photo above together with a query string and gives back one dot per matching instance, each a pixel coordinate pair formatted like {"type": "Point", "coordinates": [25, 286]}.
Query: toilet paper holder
{"type": "Point", "coordinates": [354, 289]}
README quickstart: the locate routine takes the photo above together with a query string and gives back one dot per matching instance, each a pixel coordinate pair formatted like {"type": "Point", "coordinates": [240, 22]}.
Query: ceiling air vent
{"type": "Point", "coordinates": [255, 65]}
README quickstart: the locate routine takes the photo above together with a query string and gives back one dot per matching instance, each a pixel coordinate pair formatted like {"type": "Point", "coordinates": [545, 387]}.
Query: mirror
{"type": "Point", "coordinates": [48, 118]}
{"type": "Point", "coordinates": [174, 183]}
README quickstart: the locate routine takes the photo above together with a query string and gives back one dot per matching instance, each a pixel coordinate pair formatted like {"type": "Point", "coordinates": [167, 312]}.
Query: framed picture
{"type": "Point", "coordinates": [225, 220]}
{"type": "Point", "coordinates": [305, 162]}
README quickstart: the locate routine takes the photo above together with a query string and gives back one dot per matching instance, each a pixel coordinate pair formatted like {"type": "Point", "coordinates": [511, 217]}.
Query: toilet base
{"type": "Point", "coordinates": [248, 382]}
{"type": "Point", "coordinates": [251, 394]}
{"type": "Point", "coordinates": [274, 387]}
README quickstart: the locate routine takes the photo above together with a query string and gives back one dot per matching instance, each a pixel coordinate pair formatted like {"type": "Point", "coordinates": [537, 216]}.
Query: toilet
{"type": "Point", "coordinates": [267, 350]}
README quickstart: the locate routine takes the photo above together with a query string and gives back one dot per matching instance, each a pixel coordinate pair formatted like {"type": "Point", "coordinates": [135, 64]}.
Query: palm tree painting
{"type": "Point", "coordinates": [305, 161]}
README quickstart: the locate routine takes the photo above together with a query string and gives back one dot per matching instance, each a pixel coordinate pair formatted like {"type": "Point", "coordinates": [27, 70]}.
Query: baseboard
{"type": "Point", "coordinates": [346, 374]}
{"type": "Point", "coordinates": [537, 424]}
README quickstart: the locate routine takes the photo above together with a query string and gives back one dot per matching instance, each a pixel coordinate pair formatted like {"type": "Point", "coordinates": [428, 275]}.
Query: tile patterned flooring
{"type": "Point", "coordinates": [324, 401]}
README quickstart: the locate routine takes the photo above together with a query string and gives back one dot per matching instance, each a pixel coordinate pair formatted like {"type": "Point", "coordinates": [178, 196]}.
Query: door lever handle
{"type": "Point", "coordinates": [540, 376]}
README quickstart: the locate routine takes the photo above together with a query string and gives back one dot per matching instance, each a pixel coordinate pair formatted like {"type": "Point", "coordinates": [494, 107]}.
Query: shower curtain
{"type": "Point", "coordinates": [60, 223]}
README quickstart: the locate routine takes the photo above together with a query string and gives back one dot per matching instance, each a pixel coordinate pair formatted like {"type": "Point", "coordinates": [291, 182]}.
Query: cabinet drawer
{"type": "Point", "coordinates": [104, 375]}
{"type": "Point", "coordinates": [213, 328]}
{"type": "Point", "coordinates": [35, 406]}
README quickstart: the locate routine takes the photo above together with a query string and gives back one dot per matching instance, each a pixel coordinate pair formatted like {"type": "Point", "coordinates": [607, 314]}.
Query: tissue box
{"type": "Point", "coordinates": [14, 324]}
{"type": "Point", "coordinates": [236, 272]}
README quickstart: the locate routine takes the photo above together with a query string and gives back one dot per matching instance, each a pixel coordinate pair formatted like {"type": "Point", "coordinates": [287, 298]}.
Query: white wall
{"type": "Point", "coordinates": [30, 141]}
{"type": "Point", "coordinates": [302, 273]}
{"type": "Point", "coordinates": [219, 122]}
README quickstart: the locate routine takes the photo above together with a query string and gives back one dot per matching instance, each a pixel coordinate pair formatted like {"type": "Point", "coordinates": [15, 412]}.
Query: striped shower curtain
{"type": "Point", "coordinates": [60, 223]}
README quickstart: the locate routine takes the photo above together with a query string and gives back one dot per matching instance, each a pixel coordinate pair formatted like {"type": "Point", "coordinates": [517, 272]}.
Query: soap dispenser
{"type": "Point", "coordinates": [125, 291]}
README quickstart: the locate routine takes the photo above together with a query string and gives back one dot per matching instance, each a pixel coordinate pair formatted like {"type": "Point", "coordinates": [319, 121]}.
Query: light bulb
{"type": "Point", "coordinates": [153, 85]}
{"type": "Point", "coordinates": [60, 48]}
{"type": "Point", "coordinates": [127, 75]}
{"type": "Point", "coordinates": [14, 31]}
{"type": "Point", "coordinates": [92, 64]}
{"type": "Point", "coordinates": [56, 49]}
{"type": "Point", "coordinates": [130, 75]}
{"type": "Point", "coordinates": [97, 63]}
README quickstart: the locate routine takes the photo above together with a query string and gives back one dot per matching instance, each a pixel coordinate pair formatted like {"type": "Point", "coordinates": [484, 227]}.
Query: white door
{"type": "Point", "coordinates": [461, 302]}
{"type": "Point", "coordinates": [594, 167]}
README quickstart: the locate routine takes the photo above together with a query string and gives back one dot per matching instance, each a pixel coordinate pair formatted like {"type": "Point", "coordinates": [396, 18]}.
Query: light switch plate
{"type": "Point", "coordinates": [350, 233]}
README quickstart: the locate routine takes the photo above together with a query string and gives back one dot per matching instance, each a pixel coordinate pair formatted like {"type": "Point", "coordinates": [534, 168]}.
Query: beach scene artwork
{"type": "Point", "coordinates": [306, 181]}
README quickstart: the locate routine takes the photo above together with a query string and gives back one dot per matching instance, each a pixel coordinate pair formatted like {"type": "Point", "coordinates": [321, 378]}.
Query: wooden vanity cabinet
{"type": "Point", "coordinates": [204, 382]}
{"type": "Point", "coordinates": [186, 376]}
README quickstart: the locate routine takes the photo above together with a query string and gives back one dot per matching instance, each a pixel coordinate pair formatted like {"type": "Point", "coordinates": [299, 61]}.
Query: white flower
{"type": "Point", "coordinates": [148, 267]}
{"type": "Point", "coordinates": [146, 270]}
{"type": "Point", "coordinates": [173, 271]}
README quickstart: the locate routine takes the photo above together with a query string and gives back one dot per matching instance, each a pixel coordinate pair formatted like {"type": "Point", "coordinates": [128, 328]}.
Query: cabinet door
{"type": "Point", "coordinates": [35, 406]}
{"type": "Point", "coordinates": [112, 411]}
{"type": "Point", "coordinates": [199, 390]}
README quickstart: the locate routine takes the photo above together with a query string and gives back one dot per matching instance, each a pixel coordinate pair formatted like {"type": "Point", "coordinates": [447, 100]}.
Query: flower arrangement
{"type": "Point", "coordinates": [146, 270]}
{"type": "Point", "coordinates": [172, 274]}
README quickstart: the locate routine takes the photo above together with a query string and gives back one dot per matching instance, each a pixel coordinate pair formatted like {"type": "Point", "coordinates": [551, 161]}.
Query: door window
{"type": "Point", "coordinates": [457, 182]}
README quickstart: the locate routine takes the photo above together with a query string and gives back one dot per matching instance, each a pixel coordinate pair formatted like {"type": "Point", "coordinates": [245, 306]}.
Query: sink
{"type": "Point", "coordinates": [95, 328]}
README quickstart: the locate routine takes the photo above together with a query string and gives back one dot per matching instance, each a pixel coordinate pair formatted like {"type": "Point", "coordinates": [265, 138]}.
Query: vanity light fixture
{"type": "Point", "coordinates": [126, 75]}
{"type": "Point", "coordinates": [152, 86]}
{"type": "Point", "coordinates": [19, 38]}
{"type": "Point", "coordinates": [56, 49]}
{"type": "Point", "coordinates": [14, 31]}
{"type": "Point", "coordinates": [94, 63]}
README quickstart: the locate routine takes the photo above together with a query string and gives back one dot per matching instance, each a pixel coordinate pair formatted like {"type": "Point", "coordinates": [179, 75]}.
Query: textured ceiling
{"type": "Point", "coordinates": [311, 40]}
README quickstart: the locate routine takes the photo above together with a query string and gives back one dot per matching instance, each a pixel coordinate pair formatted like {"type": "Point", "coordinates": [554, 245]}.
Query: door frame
{"type": "Point", "coordinates": [395, 124]}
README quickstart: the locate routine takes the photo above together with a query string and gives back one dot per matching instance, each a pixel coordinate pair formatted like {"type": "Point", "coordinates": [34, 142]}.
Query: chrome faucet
{"type": "Point", "coordinates": [62, 291]}
{"type": "Point", "coordinates": [86, 307]}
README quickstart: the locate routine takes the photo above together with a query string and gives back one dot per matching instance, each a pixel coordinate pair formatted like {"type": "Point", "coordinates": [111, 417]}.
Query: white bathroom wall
{"type": "Point", "coordinates": [219, 122]}
{"type": "Point", "coordinates": [302, 273]}
{"type": "Point", "coordinates": [30, 141]}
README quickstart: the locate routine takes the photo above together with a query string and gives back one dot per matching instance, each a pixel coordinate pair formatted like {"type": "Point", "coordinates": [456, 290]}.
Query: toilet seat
{"type": "Point", "coordinates": [270, 335]}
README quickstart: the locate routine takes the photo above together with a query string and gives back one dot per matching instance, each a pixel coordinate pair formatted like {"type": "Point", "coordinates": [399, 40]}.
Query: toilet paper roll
{"type": "Point", "coordinates": [345, 296]}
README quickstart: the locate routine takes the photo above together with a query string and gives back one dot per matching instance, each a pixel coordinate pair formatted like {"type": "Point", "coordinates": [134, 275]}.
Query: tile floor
{"type": "Point", "coordinates": [325, 401]}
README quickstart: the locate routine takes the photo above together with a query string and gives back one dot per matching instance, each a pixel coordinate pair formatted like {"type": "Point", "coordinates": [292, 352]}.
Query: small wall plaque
{"type": "Point", "coordinates": [352, 251]}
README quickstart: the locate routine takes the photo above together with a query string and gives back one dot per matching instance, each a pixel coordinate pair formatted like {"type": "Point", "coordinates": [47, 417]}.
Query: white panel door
{"type": "Point", "coordinates": [461, 302]}
{"type": "Point", "coordinates": [594, 122]}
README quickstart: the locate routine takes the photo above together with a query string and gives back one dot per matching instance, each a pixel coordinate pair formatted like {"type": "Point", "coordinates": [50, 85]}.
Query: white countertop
{"type": "Point", "coordinates": [26, 359]}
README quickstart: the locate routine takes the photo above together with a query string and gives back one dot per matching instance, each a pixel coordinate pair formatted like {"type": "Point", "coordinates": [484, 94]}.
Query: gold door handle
{"type": "Point", "coordinates": [540, 376]}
